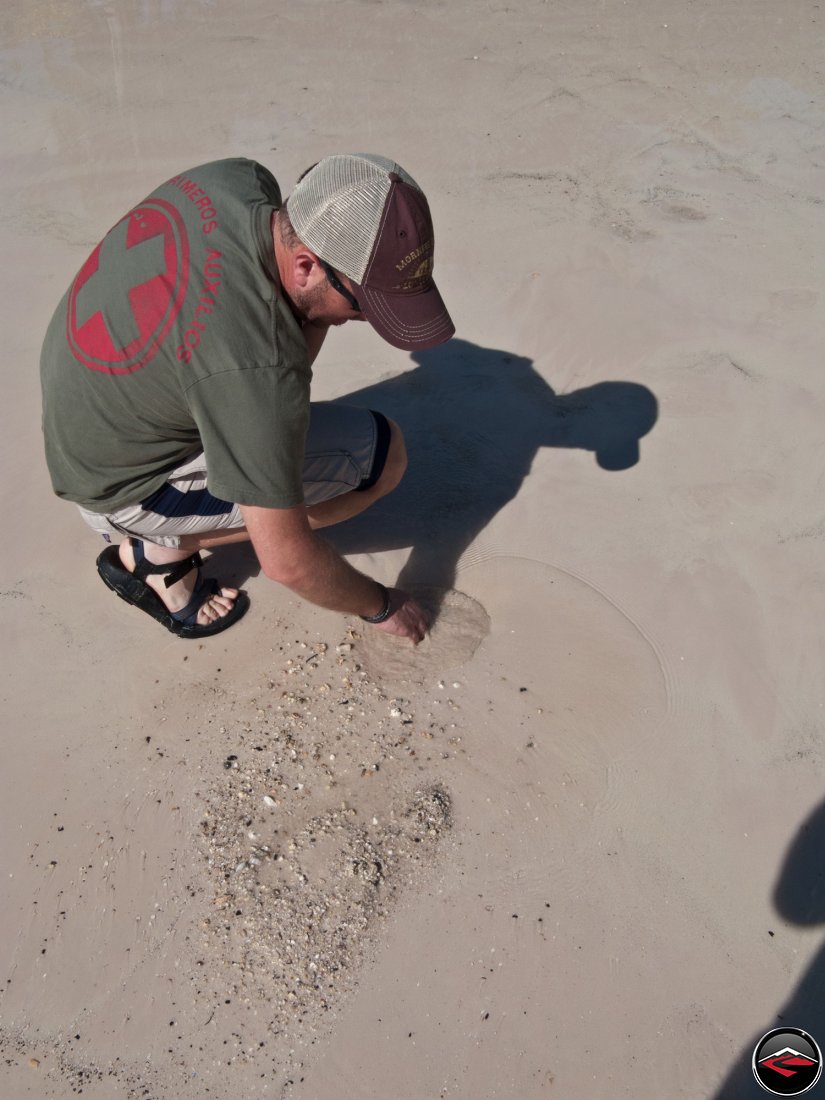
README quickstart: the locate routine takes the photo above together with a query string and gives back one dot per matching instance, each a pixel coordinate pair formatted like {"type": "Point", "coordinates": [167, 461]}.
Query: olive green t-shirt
{"type": "Point", "coordinates": [174, 338]}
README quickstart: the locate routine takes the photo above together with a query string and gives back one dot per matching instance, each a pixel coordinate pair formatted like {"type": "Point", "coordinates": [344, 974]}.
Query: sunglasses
{"type": "Point", "coordinates": [339, 286]}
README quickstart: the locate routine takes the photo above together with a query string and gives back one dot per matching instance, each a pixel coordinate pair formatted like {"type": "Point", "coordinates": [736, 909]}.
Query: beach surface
{"type": "Point", "coordinates": [570, 846]}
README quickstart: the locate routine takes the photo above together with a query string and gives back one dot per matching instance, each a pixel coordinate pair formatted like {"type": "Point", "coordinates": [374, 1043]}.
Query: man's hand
{"type": "Point", "coordinates": [292, 554]}
{"type": "Point", "coordinates": [407, 620]}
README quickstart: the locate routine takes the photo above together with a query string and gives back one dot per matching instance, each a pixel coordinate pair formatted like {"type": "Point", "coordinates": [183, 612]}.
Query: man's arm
{"type": "Point", "coordinates": [292, 554]}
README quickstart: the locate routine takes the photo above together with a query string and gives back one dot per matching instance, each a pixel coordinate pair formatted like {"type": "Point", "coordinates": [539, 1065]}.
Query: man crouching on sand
{"type": "Point", "coordinates": [176, 382]}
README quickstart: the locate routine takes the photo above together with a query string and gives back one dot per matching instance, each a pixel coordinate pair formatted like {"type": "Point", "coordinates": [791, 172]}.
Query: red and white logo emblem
{"type": "Point", "coordinates": [130, 290]}
{"type": "Point", "coordinates": [787, 1061]}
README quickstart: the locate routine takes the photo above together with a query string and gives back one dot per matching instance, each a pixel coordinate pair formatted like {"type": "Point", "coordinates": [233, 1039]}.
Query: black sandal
{"type": "Point", "coordinates": [132, 588]}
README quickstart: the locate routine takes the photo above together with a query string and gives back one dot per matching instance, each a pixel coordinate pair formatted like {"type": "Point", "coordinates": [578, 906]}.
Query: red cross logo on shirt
{"type": "Point", "coordinates": [130, 290]}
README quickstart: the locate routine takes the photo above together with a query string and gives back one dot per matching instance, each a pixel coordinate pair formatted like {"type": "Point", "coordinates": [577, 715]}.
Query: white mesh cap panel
{"type": "Point", "coordinates": [336, 209]}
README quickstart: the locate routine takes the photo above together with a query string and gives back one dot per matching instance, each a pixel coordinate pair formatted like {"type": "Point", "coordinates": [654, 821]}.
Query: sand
{"type": "Point", "coordinates": [570, 847]}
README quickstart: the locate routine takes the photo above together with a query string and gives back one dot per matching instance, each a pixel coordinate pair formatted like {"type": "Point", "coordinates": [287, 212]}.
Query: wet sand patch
{"type": "Point", "coordinates": [459, 626]}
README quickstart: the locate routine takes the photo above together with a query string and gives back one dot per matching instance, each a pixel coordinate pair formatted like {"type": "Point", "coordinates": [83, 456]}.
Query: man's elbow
{"type": "Point", "coordinates": [286, 547]}
{"type": "Point", "coordinates": [289, 574]}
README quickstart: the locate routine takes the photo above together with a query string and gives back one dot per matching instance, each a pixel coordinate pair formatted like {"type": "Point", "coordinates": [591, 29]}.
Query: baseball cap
{"type": "Point", "coordinates": [370, 220]}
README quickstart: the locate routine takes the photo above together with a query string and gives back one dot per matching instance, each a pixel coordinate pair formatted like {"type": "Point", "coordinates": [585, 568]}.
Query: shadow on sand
{"type": "Point", "coordinates": [799, 897]}
{"type": "Point", "coordinates": [473, 419]}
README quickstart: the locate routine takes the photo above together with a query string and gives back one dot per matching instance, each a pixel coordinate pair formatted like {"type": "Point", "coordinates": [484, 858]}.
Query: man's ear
{"type": "Point", "coordinates": [306, 268]}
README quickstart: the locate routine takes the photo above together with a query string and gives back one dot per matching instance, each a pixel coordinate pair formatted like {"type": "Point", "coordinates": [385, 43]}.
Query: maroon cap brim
{"type": "Point", "coordinates": [411, 322]}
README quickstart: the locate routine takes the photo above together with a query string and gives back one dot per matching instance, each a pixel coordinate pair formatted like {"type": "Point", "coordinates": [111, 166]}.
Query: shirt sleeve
{"type": "Point", "coordinates": [253, 423]}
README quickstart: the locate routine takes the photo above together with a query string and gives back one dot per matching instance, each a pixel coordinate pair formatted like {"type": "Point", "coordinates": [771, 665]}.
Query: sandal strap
{"type": "Point", "coordinates": [181, 569]}
{"type": "Point", "coordinates": [203, 590]}
{"type": "Point", "coordinates": [172, 571]}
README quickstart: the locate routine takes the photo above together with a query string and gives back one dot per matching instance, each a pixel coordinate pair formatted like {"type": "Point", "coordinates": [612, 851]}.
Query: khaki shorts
{"type": "Point", "coordinates": [346, 448]}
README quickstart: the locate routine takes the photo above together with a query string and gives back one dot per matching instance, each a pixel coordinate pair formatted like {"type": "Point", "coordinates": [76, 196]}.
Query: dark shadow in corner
{"type": "Point", "coordinates": [473, 419]}
{"type": "Point", "coordinates": [799, 897]}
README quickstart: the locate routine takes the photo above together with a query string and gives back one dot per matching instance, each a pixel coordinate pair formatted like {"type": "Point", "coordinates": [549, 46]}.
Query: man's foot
{"type": "Point", "coordinates": [209, 609]}
{"type": "Point", "coordinates": [177, 596]}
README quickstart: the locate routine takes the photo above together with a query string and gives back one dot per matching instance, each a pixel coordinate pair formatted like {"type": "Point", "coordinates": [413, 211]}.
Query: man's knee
{"type": "Point", "coordinates": [395, 463]}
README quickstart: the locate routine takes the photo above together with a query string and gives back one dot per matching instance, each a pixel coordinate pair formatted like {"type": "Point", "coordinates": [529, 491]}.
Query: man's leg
{"type": "Point", "coordinates": [350, 504]}
{"type": "Point", "coordinates": [326, 512]}
{"type": "Point", "coordinates": [169, 526]}
{"type": "Point", "coordinates": [353, 458]}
